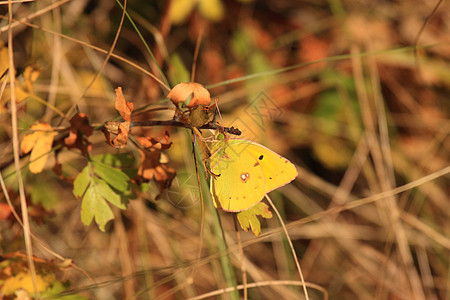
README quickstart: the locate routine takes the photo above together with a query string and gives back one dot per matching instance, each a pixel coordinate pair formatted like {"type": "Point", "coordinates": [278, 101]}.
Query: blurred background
{"type": "Point", "coordinates": [337, 87]}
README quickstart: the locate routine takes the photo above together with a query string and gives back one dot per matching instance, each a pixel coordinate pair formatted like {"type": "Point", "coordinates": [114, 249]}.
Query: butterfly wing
{"type": "Point", "coordinates": [246, 172]}
{"type": "Point", "coordinates": [278, 171]}
{"type": "Point", "coordinates": [241, 181]}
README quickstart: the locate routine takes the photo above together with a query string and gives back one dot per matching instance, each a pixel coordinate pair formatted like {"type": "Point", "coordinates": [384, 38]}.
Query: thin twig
{"type": "Point", "coordinates": [261, 284]}
{"type": "Point", "coordinates": [105, 61]}
{"type": "Point", "coordinates": [290, 245]}
{"type": "Point", "coordinates": [118, 57]}
{"type": "Point", "coordinates": [197, 48]}
{"type": "Point", "coordinates": [15, 140]}
{"type": "Point", "coordinates": [230, 130]}
{"type": "Point", "coordinates": [14, 23]}
{"type": "Point", "coordinates": [422, 28]}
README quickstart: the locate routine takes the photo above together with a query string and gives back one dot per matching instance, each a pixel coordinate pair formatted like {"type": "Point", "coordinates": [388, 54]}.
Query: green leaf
{"type": "Point", "coordinates": [94, 185]}
{"type": "Point", "coordinates": [45, 193]}
{"type": "Point", "coordinates": [104, 189]}
{"type": "Point", "coordinates": [118, 160]}
{"type": "Point", "coordinates": [249, 218]}
{"type": "Point", "coordinates": [81, 182]}
{"type": "Point", "coordinates": [94, 206]}
{"type": "Point", "coordinates": [117, 179]}
{"type": "Point", "coordinates": [122, 161]}
{"type": "Point", "coordinates": [56, 291]}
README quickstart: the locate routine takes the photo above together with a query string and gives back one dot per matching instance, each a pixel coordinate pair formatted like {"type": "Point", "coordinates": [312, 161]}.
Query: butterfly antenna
{"type": "Point", "coordinates": [216, 103]}
{"type": "Point", "coordinates": [290, 245]}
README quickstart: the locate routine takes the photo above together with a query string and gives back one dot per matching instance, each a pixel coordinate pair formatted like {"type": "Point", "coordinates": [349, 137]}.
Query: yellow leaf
{"type": "Point", "coordinates": [212, 10]}
{"type": "Point", "coordinates": [180, 10]}
{"type": "Point", "coordinates": [39, 143]}
{"type": "Point", "coordinates": [249, 218]}
{"type": "Point", "coordinates": [30, 74]}
{"type": "Point", "coordinates": [333, 154]}
{"type": "Point", "coordinates": [21, 94]}
{"type": "Point", "coordinates": [28, 142]}
{"type": "Point", "coordinates": [22, 90]}
{"type": "Point", "coordinates": [4, 58]}
{"type": "Point", "coordinates": [24, 281]}
{"type": "Point", "coordinates": [100, 85]}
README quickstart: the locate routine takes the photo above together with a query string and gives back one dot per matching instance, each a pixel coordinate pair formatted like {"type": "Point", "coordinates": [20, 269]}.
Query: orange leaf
{"type": "Point", "coordinates": [313, 49]}
{"type": "Point", "coordinates": [5, 211]}
{"type": "Point", "coordinates": [152, 166]}
{"type": "Point", "coordinates": [198, 93]}
{"type": "Point", "coordinates": [28, 142]}
{"type": "Point", "coordinates": [153, 144]}
{"type": "Point", "coordinates": [122, 106]}
{"type": "Point", "coordinates": [119, 128]}
{"type": "Point", "coordinates": [122, 137]}
{"type": "Point", "coordinates": [40, 143]}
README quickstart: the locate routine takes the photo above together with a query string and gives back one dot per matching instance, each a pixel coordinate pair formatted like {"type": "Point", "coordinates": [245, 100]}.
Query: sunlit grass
{"type": "Point", "coordinates": [362, 117]}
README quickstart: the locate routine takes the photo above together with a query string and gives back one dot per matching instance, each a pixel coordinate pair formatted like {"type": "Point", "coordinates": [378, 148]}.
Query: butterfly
{"type": "Point", "coordinates": [244, 172]}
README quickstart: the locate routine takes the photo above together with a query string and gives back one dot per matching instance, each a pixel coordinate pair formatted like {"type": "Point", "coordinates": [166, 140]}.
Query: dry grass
{"type": "Point", "coordinates": [347, 101]}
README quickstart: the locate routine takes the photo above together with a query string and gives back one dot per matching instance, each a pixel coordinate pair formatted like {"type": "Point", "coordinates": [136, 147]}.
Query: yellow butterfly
{"type": "Point", "coordinates": [246, 172]}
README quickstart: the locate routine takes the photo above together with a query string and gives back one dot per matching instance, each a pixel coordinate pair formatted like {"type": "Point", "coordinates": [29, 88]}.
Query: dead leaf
{"type": "Point", "coordinates": [79, 130]}
{"type": "Point", "coordinates": [120, 128]}
{"type": "Point", "coordinates": [152, 166]}
{"type": "Point", "coordinates": [194, 92]}
{"type": "Point", "coordinates": [122, 137]}
{"type": "Point", "coordinates": [122, 106]}
{"type": "Point", "coordinates": [40, 143]}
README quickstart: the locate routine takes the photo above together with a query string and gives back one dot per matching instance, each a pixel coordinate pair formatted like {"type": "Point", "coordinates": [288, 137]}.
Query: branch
{"type": "Point", "coordinates": [210, 125]}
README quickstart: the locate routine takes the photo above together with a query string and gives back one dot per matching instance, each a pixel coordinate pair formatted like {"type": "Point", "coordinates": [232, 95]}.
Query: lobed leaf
{"type": "Point", "coordinates": [94, 206]}
{"type": "Point", "coordinates": [249, 218]}
{"type": "Point", "coordinates": [106, 192]}
{"type": "Point", "coordinates": [40, 144]}
{"type": "Point", "coordinates": [81, 182]}
{"type": "Point", "coordinates": [94, 185]}
{"type": "Point", "coordinates": [117, 179]}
